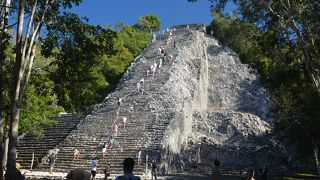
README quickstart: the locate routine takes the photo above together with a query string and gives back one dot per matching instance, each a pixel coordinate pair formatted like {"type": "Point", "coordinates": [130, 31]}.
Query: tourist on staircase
{"type": "Point", "coordinates": [160, 50]}
{"type": "Point", "coordinates": [138, 87]}
{"type": "Point", "coordinates": [128, 165]}
{"type": "Point", "coordinates": [154, 38]}
{"type": "Point", "coordinates": [115, 129]}
{"type": "Point", "coordinates": [112, 141]}
{"type": "Point", "coordinates": [142, 80]}
{"type": "Point", "coordinates": [155, 66]}
{"type": "Point", "coordinates": [153, 69]}
{"type": "Point", "coordinates": [94, 164]}
{"type": "Point", "coordinates": [141, 88]}
{"type": "Point", "coordinates": [119, 101]}
{"type": "Point", "coordinates": [160, 61]}
{"type": "Point", "coordinates": [104, 150]}
{"type": "Point", "coordinates": [76, 154]}
{"type": "Point", "coordinates": [124, 122]}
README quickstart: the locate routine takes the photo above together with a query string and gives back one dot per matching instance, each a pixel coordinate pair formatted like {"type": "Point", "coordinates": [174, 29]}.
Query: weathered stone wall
{"type": "Point", "coordinates": [211, 95]}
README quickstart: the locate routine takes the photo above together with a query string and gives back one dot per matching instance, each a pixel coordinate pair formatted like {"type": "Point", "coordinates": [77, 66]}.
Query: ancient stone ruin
{"type": "Point", "coordinates": [202, 104]}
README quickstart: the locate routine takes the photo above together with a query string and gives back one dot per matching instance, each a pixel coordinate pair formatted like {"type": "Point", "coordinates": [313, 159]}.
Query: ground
{"type": "Point", "coordinates": [188, 176]}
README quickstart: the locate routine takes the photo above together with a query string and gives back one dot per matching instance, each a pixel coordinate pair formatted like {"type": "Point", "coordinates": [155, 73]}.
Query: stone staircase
{"type": "Point", "coordinates": [53, 135]}
{"type": "Point", "coordinates": [143, 131]}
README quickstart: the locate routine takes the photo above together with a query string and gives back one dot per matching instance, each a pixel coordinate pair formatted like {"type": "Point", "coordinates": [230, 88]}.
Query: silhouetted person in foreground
{"type": "Point", "coordinates": [19, 175]}
{"type": "Point", "coordinates": [215, 172]}
{"type": "Point", "coordinates": [250, 174]}
{"type": "Point", "coordinates": [78, 174]}
{"type": "Point", "coordinates": [128, 165]}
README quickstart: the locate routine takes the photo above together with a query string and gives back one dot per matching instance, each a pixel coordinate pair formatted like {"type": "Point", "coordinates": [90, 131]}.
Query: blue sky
{"type": "Point", "coordinates": [170, 12]}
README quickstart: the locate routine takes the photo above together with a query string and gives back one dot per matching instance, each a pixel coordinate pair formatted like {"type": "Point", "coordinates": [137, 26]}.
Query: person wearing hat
{"type": "Point", "coordinates": [128, 165]}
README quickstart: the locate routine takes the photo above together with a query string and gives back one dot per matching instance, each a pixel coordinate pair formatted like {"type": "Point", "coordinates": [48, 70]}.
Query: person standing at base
{"type": "Point", "coordinates": [215, 172]}
{"type": "Point", "coordinates": [94, 164]}
{"type": "Point", "coordinates": [139, 157]}
{"type": "Point", "coordinates": [154, 170]}
{"type": "Point", "coordinates": [107, 172]}
{"type": "Point", "coordinates": [128, 165]}
{"type": "Point", "coordinates": [52, 161]}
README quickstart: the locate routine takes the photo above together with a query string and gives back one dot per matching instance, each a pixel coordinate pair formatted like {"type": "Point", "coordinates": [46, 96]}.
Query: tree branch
{"type": "Point", "coordinates": [26, 40]}
{"type": "Point", "coordinates": [272, 11]}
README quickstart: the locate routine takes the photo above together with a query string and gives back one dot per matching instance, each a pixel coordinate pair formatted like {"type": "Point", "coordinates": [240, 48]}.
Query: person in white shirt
{"type": "Point", "coordinates": [139, 157]}
{"type": "Point", "coordinates": [76, 154]}
{"type": "Point", "coordinates": [124, 122]}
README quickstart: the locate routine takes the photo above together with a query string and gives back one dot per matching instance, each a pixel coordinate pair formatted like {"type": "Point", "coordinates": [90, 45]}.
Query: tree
{"type": "Point", "coordinates": [128, 44]}
{"type": "Point", "coordinates": [4, 40]}
{"type": "Point", "coordinates": [150, 22]}
{"type": "Point", "coordinates": [76, 46]}
{"type": "Point", "coordinates": [25, 53]}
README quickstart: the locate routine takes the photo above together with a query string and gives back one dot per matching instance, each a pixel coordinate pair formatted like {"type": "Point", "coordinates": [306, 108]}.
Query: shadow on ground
{"type": "Point", "coordinates": [197, 177]}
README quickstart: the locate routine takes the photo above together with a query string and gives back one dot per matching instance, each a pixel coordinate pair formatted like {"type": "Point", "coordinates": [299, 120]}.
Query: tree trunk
{"type": "Point", "coordinates": [5, 151]}
{"type": "Point", "coordinates": [1, 141]}
{"type": "Point", "coordinates": [316, 156]}
{"type": "Point", "coordinates": [3, 47]}
{"type": "Point", "coordinates": [14, 105]}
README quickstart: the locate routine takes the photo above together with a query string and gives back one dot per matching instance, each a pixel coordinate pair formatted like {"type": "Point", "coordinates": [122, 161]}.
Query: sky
{"type": "Point", "coordinates": [170, 12]}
